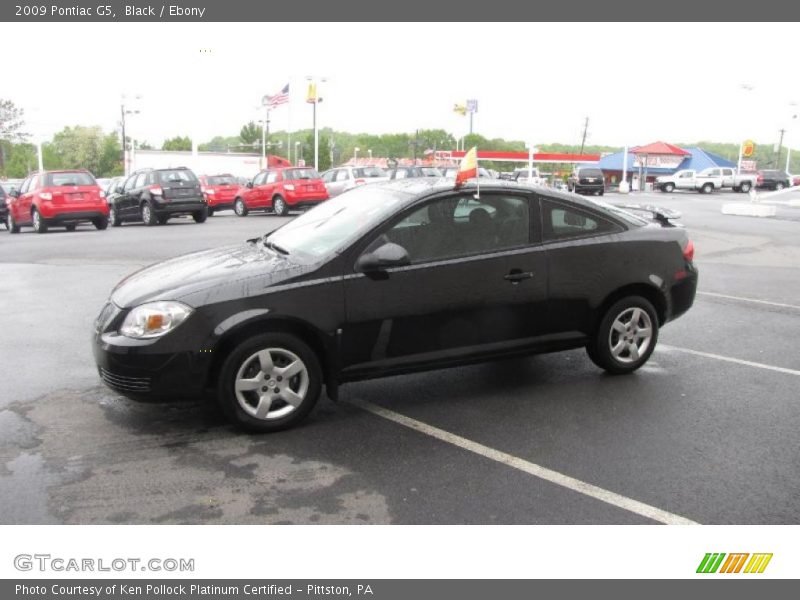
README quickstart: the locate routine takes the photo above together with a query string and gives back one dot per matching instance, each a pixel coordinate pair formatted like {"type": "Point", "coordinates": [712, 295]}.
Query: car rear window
{"type": "Point", "coordinates": [590, 173]}
{"type": "Point", "coordinates": [221, 180]}
{"type": "Point", "coordinates": [294, 174]}
{"type": "Point", "coordinates": [367, 172]}
{"type": "Point", "coordinates": [176, 175]}
{"type": "Point", "coordinates": [77, 178]}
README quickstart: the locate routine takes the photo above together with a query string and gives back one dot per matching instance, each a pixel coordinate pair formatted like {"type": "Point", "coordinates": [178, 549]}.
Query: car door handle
{"type": "Point", "coordinates": [515, 275]}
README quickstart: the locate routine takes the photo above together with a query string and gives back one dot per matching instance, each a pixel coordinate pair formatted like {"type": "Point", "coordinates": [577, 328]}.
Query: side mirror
{"type": "Point", "coordinates": [249, 184]}
{"type": "Point", "coordinates": [383, 257]}
{"type": "Point", "coordinates": [118, 189]}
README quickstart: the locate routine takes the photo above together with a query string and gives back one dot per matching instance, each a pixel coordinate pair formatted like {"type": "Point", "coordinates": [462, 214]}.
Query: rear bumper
{"type": "Point", "coordinates": [57, 218]}
{"type": "Point", "coordinates": [179, 206]}
{"type": "Point", "coordinates": [589, 187]}
{"type": "Point", "coordinates": [682, 294]}
{"type": "Point", "coordinates": [304, 200]}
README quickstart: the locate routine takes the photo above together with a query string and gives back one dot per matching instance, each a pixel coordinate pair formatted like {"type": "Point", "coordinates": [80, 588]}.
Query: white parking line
{"type": "Point", "coordinates": [576, 485]}
{"type": "Point", "coordinates": [730, 359]}
{"type": "Point", "coordinates": [754, 300]}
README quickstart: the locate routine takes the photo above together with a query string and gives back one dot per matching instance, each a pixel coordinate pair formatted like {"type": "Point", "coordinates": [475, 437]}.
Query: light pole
{"type": "Point", "coordinates": [297, 153]}
{"type": "Point", "coordinates": [314, 99]}
{"type": "Point", "coordinates": [747, 88]}
{"type": "Point", "coordinates": [370, 155]}
{"type": "Point", "coordinates": [355, 155]}
{"type": "Point", "coordinates": [123, 112]}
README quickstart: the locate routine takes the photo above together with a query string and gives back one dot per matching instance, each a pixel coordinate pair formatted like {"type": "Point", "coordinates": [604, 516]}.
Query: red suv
{"type": "Point", "coordinates": [60, 198]}
{"type": "Point", "coordinates": [281, 190]}
{"type": "Point", "coordinates": [220, 191]}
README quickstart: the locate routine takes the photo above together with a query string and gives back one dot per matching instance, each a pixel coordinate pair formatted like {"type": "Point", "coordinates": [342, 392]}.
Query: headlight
{"type": "Point", "coordinates": [154, 319]}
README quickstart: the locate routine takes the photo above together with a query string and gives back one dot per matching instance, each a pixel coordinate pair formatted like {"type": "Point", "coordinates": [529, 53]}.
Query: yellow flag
{"type": "Point", "coordinates": [461, 109]}
{"type": "Point", "coordinates": [469, 166]}
{"type": "Point", "coordinates": [311, 96]}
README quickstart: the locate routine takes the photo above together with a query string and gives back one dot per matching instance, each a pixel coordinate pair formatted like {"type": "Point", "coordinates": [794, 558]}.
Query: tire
{"type": "Point", "coordinates": [279, 206]}
{"type": "Point", "coordinates": [240, 208]}
{"type": "Point", "coordinates": [707, 188]}
{"type": "Point", "coordinates": [601, 192]}
{"type": "Point", "coordinates": [39, 226]}
{"type": "Point", "coordinates": [619, 331]}
{"type": "Point", "coordinates": [113, 217]}
{"type": "Point", "coordinates": [71, 226]}
{"type": "Point", "coordinates": [200, 216]}
{"type": "Point", "coordinates": [100, 223]}
{"type": "Point", "coordinates": [210, 211]}
{"type": "Point", "coordinates": [668, 188]}
{"type": "Point", "coordinates": [779, 186]}
{"type": "Point", "coordinates": [244, 363]}
{"type": "Point", "coordinates": [746, 187]}
{"type": "Point", "coordinates": [148, 214]}
{"type": "Point", "coordinates": [11, 224]}
{"type": "Point", "coordinates": [162, 220]}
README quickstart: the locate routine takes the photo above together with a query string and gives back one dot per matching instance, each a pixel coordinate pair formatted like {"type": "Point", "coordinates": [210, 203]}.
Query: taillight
{"type": "Point", "coordinates": [206, 190]}
{"type": "Point", "coordinates": [760, 179]}
{"type": "Point", "coordinates": [102, 194]}
{"type": "Point", "coordinates": [45, 195]}
{"type": "Point", "coordinates": [360, 181]}
{"type": "Point", "coordinates": [688, 251]}
{"type": "Point", "coordinates": [156, 189]}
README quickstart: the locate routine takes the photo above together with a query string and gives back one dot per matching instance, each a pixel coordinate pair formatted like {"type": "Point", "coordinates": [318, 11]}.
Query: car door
{"type": "Point", "coordinates": [21, 207]}
{"type": "Point", "coordinates": [342, 181]}
{"type": "Point", "coordinates": [476, 283]}
{"type": "Point", "coordinates": [727, 178]}
{"type": "Point", "coordinates": [685, 180]}
{"type": "Point", "coordinates": [255, 197]}
{"type": "Point", "coordinates": [585, 261]}
{"type": "Point", "coordinates": [125, 201]}
{"type": "Point", "coordinates": [269, 188]}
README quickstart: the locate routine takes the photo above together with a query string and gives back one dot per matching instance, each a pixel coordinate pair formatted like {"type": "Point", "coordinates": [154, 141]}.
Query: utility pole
{"type": "Point", "coordinates": [780, 147]}
{"type": "Point", "coordinates": [124, 165]}
{"type": "Point", "coordinates": [585, 130]}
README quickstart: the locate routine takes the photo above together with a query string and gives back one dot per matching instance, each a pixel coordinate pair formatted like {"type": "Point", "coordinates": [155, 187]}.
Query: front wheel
{"type": "Point", "coordinates": [626, 336]}
{"type": "Point", "coordinates": [240, 208]}
{"type": "Point", "coordinates": [11, 224]}
{"type": "Point", "coordinates": [746, 187]}
{"type": "Point", "coordinates": [707, 188]}
{"type": "Point", "coordinates": [200, 216]}
{"type": "Point", "coordinates": [113, 217]}
{"type": "Point", "coordinates": [779, 186]}
{"type": "Point", "coordinates": [210, 212]}
{"type": "Point", "coordinates": [269, 382]}
{"type": "Point", "coordinates": [279, 206]}
{"type": "Point", "coordinates": [668, 188]}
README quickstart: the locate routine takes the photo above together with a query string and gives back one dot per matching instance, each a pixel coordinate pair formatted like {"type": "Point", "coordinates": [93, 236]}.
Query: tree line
{"type": "Point", "coordinates": [101, 152]}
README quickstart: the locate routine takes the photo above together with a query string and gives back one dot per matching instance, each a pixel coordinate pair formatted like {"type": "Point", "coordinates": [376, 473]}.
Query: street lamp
{"type": "Point", "coordinates": [124, 110]}
{"type": "Point", "coordinates": [297, 153]}
{"type": "Point", "coordinates": [355, 155]}
{"type": "Point", "coordinates": [314, 100]}
{"type": "Point", "coordinates": [370, 154]}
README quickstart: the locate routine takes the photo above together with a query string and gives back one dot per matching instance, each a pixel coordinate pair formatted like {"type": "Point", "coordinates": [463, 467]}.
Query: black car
{"type": "Point", "coordinates": [3, 207]}
{"type": "Point", "coordinates": [393, 278]}
{"type": "Point", "coordinates": [413, 171]}
{"type": "Point", "coordinates": [152, 196]}
{"type": "Point", "coordinates": [586, 180]}
{"type": "Point", "coordinates": [773, 180]}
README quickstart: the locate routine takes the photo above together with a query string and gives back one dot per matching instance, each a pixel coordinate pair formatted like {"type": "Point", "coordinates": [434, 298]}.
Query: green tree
{"type": "Point", "coordinates": [84, 148]}
{"type": "Point", "coordinates": [324, 152]}
{"type": "Point", "coordinates": [177, 143]}
{"type": "Point", "coordinates": [11, 123]}
{"type": "Point", "coordinates": [250, 133]}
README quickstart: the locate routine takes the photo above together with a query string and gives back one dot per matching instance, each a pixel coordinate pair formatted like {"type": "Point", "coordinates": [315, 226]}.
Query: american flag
{"type": "Point", "coordinates": [281, 97]}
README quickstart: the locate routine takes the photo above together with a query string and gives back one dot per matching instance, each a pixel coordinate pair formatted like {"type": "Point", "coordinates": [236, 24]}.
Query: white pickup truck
{"type": "Point", "coordinates": [706, 181]}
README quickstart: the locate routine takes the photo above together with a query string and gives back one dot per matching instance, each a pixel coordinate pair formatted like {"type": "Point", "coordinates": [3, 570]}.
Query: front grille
{"type": "Point", "coordinates": [124, 383]}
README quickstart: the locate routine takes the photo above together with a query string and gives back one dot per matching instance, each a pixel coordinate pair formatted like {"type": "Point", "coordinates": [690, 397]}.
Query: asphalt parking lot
{"type": "Point", "coordinates": [706, 432]}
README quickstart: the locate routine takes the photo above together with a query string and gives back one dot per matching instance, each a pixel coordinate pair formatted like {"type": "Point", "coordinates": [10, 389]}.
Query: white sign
{"type": "Point", "coordinates": [472, 106]}
{"type": "Point", "coordinates": [749, 165]}
{"type": "Point", "coordinates": [658, 161]}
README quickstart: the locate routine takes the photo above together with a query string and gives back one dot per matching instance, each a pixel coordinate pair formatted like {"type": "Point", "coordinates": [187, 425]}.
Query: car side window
{"type": "Point", "coordinates": [565, 222]}
{"type": "Point", "coordinates": [272, 177]}
{"type": "Point", "coordinates": [460, 226]}
{"type": "Point", "coordinates": [342, 175]}
{"type": "Point", "coordinates": [129, 183]}
{"type": "Point", "coordinates": [140, 180]}
{"type": "Point", "coordinates": [686, 175]}
{"type": "Point", "coordinates": [33, 183]}
{"type": "Point", "coordinates": [259, 179]}
{"type": "Point", "coordinates": [327, 176]}
{"type": "Point", "coordinates": [23, 189]}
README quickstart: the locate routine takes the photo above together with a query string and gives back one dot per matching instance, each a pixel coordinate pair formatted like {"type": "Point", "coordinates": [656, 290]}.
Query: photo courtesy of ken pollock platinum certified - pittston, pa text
{"type": "Point", "coordinates": [192, 589]}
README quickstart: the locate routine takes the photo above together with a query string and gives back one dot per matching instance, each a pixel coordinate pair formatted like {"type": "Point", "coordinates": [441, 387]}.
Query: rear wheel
{"type": "Point", "coordinates": [200, 216]}
{"type": "Point", "coordinates": [100, 223]}
{"type": "Point", "coordinates": [269, 382]}
{"type": "Point", "coordinates": [240, 208]}
{"type": "Point", "coordinates": [668, 188]}
{"type": "Point", "coordinates": [279, 206]}
{"type": "Point", "coordinates": [11, 224]}
{"type": "Point", "coordinates": [39, 226]}
{"type": "Point", "coordinates": [707, 188]}
{"type": "Point", "coordinates": [148, 215]}
{"type": "Point", "coordinates": [779, 186]}
{"type": "Point", "coordinates": [162, 220]}
{"type": "Point", "coordinates": [626, 336]}
{"type": "Point", "coordinates": [71, 226]}
{"type": "Point", "coordinates": [210, 212]}
{"type": "Point", "coordinates": [746, 187]}
{"type": "Point", "coordinates": [113, 217]}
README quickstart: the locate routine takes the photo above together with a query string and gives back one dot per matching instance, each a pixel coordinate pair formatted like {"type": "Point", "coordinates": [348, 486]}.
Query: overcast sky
{"type": "Point", "coordinates": [637, 83]}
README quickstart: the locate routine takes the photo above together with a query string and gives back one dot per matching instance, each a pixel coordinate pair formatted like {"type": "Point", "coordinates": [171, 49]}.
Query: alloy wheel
{"type": "Point", "coordinates": [271, 384]}
{"type": "Point", "coordinates": [631, 335]}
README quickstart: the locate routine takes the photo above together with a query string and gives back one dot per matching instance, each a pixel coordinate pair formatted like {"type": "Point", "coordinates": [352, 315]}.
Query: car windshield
{"type": "Point", "coordinates": [330, 226]}
{"type": "Point", "coordinates": [76, 178]}
{"type": "Point", "coordinates": [221, 180]}
{"type": "Point", "coordinates": [430, 172]}
{"type": "Point", "coordinates": [366, 172]}
{"type": "Point", "coordinates": [294, 174]}
{"type": "Point", "coordinates": [590, 173]}
{"type": "Point", "coordinates": [178, 175]}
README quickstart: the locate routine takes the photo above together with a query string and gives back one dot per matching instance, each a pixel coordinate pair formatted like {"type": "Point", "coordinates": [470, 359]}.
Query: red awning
{"type": "Point", "coordinates": [659, 148]}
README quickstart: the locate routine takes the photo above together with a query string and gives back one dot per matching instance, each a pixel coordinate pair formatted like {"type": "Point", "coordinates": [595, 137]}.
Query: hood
{"type": "Point", "coordinates": [208, 276]}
